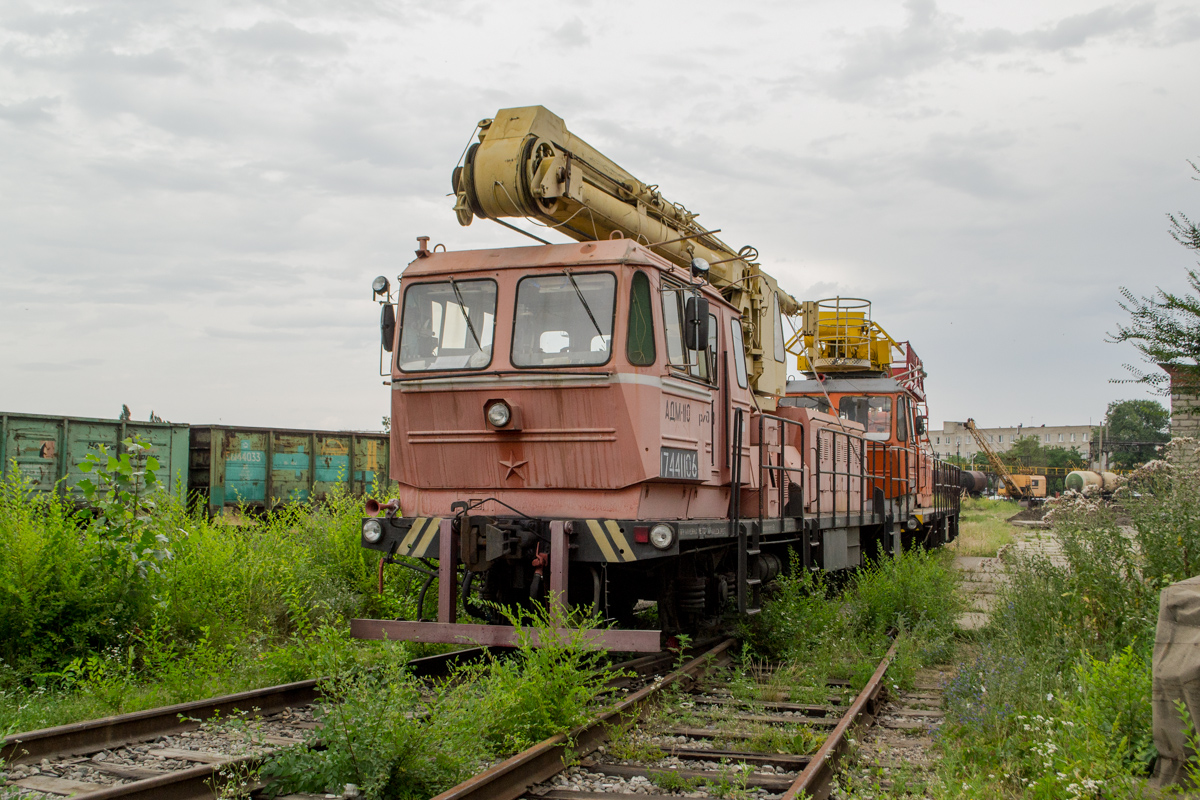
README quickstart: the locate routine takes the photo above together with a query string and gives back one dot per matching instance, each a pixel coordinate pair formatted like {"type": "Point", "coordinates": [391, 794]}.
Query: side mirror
{"type": "Point", "coordinates": [695, 323]}
{"type": "Point", "coordinates": [387, 326]}
{"type": "Point", "coordinates": [920, 426]}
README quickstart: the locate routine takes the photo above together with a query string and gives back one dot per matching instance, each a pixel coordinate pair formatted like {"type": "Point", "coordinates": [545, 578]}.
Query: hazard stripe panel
{"type": "Point", "coordinates": [612, 543]}
{"type": "Point", "coordinates": [419, 542]}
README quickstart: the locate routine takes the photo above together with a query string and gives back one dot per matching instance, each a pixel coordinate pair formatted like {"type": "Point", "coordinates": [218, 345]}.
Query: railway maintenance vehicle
{"type": "Point", "coordinates": [606, 421]}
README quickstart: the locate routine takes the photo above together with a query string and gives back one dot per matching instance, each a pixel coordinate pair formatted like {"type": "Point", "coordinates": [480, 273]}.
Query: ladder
{"type": "Point", "coordinates": [749, 584]}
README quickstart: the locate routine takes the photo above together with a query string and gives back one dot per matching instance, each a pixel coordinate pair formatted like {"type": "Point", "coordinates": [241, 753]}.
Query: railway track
{"type": "Point", "coordinates": [685, 732]}
{"type": "Point", "coordinates": [184, 751]}
{"type": "Point", "coordinates": [679, 731]}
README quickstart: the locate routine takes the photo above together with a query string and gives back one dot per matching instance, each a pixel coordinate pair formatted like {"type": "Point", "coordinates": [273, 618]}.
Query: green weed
{"type": "Point", "coordinates": [823, 632]}
{"type": "Point", "coordinates": [795, 739]}
{"type": "Point", "coordinates": [236, 606]}
{"type": "Point", "coordinates": [383, 732]}
{"type": "Point", "coordinates": [670, 781]}
{"type": "Point", "coordinates": [984, 527]}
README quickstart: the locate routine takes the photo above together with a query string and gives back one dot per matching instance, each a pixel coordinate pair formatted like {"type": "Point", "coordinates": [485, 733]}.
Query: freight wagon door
{"type": "Point", "coordinates": [33, 446]}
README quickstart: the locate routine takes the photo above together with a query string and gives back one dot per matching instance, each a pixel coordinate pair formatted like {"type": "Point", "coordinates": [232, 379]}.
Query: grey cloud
{"type": "Point", "coordinates": [880, 59]}
{"type": "Point", "coordinates": [280, 36]}
{"type": "Point", "coordinates": [1077, 30]}
{"type": "Point", "coordinates": [572, 33]}
{"type": "Point", "coordinates": [1183, 28]}
{"type": "Point", "coordinates": [157, 63]}
{"type": "Point", "coordinates": [968, 173]}
{"type": "Point", "coordinates": [27, 112]}
{"type": "Point", "coordinates": [968, 163]}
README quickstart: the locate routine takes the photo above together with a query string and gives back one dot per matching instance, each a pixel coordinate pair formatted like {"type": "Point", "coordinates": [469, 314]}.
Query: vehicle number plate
{"type": "Point", "coordinates": [678, 464]}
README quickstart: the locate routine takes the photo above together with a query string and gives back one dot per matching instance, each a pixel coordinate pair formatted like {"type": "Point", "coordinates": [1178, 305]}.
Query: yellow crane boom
{"type": "Point", "coordinates": [997, 465]}
{"type": "Point", "coordinates": [527, 164]}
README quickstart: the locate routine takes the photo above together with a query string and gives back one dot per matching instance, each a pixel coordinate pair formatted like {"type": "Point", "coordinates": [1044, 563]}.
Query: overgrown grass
{"type": "Point", "coordinates": [983, 528]}
{"type": "Point", "coordinates": [821, 631]}
{"type": "Point", "coordinates": [235, 606]}
{"type": "Point", "coordinates": [396, 739]}
{"type": "Point", "coordinates": [1057, 701]}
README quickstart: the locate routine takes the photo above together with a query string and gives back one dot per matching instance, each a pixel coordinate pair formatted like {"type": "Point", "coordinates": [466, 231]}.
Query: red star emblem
{"type": "Point", "coordinates": [513, 466]}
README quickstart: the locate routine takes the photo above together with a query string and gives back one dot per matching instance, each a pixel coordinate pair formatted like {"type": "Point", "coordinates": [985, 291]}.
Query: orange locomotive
{"type": "Point", "coordinates": [598, 423]}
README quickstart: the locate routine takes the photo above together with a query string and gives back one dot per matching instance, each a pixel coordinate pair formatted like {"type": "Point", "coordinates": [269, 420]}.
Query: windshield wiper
{"type": "Point", "coordinates": [463, 308]}
{"type": "Point", "coordinates": [586, 307]}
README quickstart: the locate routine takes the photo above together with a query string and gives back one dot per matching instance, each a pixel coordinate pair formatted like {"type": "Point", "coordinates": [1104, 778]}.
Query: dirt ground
{"type": "Point", "coordinates": [1029, 514]}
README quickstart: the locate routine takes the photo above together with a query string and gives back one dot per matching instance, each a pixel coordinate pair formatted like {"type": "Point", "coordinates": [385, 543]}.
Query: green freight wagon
{"type": "Point", "coordinates": [263, 467]}
{"type": "Point", "coordinates": [48, 450]}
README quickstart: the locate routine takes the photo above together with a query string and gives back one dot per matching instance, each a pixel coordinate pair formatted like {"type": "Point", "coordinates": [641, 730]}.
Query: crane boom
{"type": "Point", "coordinates": [997, 464]}
{"type": "Point", "coordinates": [527, 164]}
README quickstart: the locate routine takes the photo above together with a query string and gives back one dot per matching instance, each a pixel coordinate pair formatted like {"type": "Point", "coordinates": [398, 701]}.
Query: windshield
{"type": "Point", "coordinates": [875, 413]}
{"type": "Point", "coordinates": [815, 403]}
{"type": "Point", "coordinates": [564, 319]}
{"type": "Point", "coordinates": [447, 326]}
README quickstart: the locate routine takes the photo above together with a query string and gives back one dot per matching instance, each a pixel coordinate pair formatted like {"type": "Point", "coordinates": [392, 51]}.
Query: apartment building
{"type": "Point", "coordinates": [955, 440]}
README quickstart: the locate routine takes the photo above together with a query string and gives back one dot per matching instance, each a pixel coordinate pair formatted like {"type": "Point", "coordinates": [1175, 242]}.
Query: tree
{"type": "Point", "coordinates": [1136, 421]}
{"type": "Point", "coordinates": [1165, 327]}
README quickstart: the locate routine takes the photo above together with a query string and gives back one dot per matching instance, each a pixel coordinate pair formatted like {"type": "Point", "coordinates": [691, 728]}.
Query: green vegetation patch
{"type": "Point", "coordinates": [139, 602]}
{"type": "Point", "coordinates": [820, 627]}
{"type": "Point", "coordinates": [984, 527]}
{"type": "Point", "coordinates": [384, 732]}
{"type": "Point", "coordinates": [1056, 700]}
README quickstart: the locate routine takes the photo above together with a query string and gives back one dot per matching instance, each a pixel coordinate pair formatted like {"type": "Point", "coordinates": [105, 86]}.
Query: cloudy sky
{"type": "Point", "coordinates": [194, 197]}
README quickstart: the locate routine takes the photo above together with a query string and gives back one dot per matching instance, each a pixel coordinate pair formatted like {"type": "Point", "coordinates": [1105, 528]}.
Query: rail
{"type": "Point", "coordinates": [827, 440]}
{"type": "Point", "coordinates": [197, 782]}
{"type": "Point", "coordinates": [889, 480]}
{"type": "Point", "coordinates": [894, 472]}
{"type": "Point", "coordinates": [519, 775]}
{"type": "Point", "coordinates": [946, 486]}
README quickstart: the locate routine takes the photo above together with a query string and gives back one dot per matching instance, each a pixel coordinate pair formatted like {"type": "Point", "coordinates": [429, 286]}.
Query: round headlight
{"type": "Point", "coordinates": [499, 414]}
{"type": "Point", "coordinates": [380, 285]}
{"type": "Point", "coordinates": [911, 523]}
{"type": "Point", "coordinates": [372, 531]}
{"type": "Point", "coordinates": [662, 536]}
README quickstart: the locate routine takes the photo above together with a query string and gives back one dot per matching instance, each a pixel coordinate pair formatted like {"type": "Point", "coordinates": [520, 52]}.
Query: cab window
{"type": "Point", "coordinates": [447, 326]}
{"type": "Point", "coordinates": [639, 341]}
{"type": "Point", "coordinates": [902, 419]}
{"type": "Point", "coordinates": [874, 412]}
{"type": "Point", "coordinates": [739, 353]}
{"type": "Point", "coordinates": [564, 319]}
{"type": "Point", "coordinates": [694, 363]}
{"type": "Point", "coordinates": [815, 403]}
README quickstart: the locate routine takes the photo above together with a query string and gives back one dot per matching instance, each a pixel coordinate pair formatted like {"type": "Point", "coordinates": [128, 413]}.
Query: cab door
{"type": "Point", "coordinates": [690, 447]}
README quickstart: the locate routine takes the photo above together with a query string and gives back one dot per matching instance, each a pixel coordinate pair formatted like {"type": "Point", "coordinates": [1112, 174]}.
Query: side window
{"type": "Point", "coordinates": [673, 326]}
{"type": "Point", "coordinates": [902, 419]}
{"type": "Point", "coordinates": [639, 341]}
{"type": "Point", "coordinates": [780, 353]}
{"type": "Point", "coordinates": [713, 347]}
{"type": "Point", "coordinates": [739, 351]}
{"type": "Point", "coordinates": [696, 363]}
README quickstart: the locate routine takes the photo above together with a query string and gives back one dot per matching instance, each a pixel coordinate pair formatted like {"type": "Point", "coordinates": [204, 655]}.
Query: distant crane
{"type": "Point", "coordinates": [1023, 493]}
